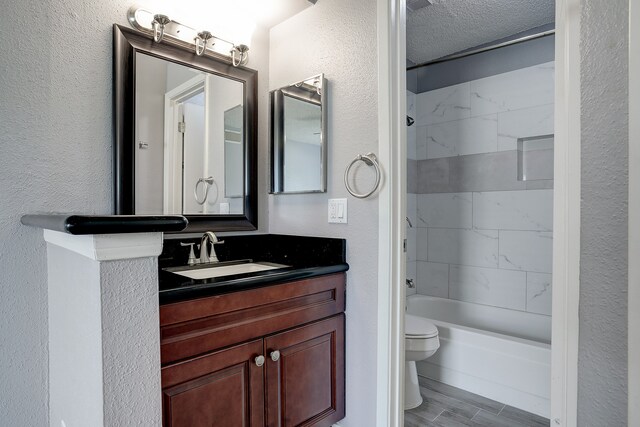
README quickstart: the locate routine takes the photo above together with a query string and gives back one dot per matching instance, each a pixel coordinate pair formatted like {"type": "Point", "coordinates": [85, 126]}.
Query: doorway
{"type": "Point", "coordinates": [184, 129]}
{"type": "Point", "coordinates": [564, 269]}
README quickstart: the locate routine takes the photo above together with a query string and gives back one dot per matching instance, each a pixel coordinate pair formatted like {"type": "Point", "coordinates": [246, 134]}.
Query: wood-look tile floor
{"type": "Point", "coordinates": [447, 406]}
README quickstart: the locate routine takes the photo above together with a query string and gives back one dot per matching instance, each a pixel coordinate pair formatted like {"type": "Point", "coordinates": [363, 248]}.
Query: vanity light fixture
{"type": "Point", "coordinates": [201, 42]}
{"type": "Point", "coordinates": [159, 23]}
{"type": "Point", "coordinates": [161, 26]}
{"type": "Point", "coordinates": [243, 51]}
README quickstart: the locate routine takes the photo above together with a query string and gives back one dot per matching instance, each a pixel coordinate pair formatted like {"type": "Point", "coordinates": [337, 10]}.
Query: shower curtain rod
{"type": "Point", "coordinates": [482, 49]}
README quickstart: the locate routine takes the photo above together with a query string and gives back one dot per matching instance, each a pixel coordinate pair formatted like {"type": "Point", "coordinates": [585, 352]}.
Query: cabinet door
{"type": "Point", "coordinates": [224, 388]}
{"type": "Point", "coordinates": [305, 385]}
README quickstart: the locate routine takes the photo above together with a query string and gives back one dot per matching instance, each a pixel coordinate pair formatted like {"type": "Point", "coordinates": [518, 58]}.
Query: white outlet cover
{"type": "Point", "coordinates": [337, 213]}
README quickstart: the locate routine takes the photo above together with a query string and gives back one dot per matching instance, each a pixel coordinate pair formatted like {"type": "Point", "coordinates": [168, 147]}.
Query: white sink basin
{"type": "Point", "coordinates": [227, 270]}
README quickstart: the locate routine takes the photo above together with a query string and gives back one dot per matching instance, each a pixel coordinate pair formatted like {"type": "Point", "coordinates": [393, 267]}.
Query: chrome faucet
{"type": "Point", "coordinates": [209, 236]}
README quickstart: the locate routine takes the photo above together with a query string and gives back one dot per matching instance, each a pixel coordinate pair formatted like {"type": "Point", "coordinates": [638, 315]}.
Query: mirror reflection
{"type": "Point", "coordinates": [189, 140]}
{"type": "Point", "coordinates": [298, 157]}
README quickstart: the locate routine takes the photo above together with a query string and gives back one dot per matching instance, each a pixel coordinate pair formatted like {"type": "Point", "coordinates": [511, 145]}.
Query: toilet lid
{"type": "Point", "coordinates": [415, 326]}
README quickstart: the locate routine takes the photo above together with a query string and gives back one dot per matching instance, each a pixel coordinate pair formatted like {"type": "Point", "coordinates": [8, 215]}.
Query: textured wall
{"type": "Point", "coordinates": [104, 341]}
{"type": "Point", "coordinates": [338, 38]}
{"type": "Point", "coordinates": [55, 156]}
{"type": "Point", "coordinates": [602, 364]}
{"type": "Point", "coordinates": [129, 303]}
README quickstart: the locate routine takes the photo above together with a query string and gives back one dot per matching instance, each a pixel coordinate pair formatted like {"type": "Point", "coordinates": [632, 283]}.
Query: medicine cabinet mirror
{"type": "Point", "coordinates": [298, 137]}
{"type": "Point", "coordinates": [185, 129]}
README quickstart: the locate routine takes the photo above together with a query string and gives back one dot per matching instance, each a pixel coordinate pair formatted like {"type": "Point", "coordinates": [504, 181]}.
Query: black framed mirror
{"type": "Point", "coordinates": [179, 119]}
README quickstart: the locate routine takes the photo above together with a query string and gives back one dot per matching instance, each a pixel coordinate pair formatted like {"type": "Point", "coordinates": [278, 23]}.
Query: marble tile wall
{"type": "Point", "coordinates": [485, 115]}
{"type": "Point", "coordinates": [480, 235]}
{"type": "Point", "coordinates": [412, 199]}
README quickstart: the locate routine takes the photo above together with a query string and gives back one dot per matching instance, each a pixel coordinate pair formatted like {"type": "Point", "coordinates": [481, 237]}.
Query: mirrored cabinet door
{"type": "Point", "coordinates": [298, 137]}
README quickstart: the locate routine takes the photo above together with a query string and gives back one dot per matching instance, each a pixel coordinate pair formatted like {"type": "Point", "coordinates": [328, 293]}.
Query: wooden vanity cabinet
{"type": "Point", "coordinates": [271, 356]}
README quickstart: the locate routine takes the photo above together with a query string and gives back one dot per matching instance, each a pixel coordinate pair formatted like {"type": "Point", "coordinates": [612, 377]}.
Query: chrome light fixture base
{"type": "Point", "coordinates": [161, 26]}
{"type": "Point", "coordinates": [243, 51]}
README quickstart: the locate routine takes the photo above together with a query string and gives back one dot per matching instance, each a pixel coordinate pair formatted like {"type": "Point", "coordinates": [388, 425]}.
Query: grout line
{"type": "Point", "coordinates": [473, 202]}
{"type": "Point", "coordinates": [453, 398]}
{"type": "Point", "coordinates": [526, 291]}
{"type": "Point", "coordinates": [490, 229]}
{"type": "Point", "coordinates": [502, 409]}
{"type": "Point", "coordinates": [427, 245]}
{"type": "Point", "coordinates": [449, 191]}
{"type": "Point", "coordinates": [489, 268]}
{"type": "Point", "coordinates": [433, 262]}
{"type": "Point", "coordinates": [500, 231]}
{"type": "Point", "coordinates": [493, 306]}
{"type": "Point", "coordinates": [476, 414]}
{"type": "Point", "coordinates": [509, 111]}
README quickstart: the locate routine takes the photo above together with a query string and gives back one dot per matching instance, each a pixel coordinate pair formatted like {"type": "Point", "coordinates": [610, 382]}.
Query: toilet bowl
{"type": "Point", "coordinates": [420, 342]}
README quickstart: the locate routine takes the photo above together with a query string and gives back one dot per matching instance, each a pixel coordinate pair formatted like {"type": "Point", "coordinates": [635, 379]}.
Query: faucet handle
{"type": "Point", "coordinates": [192, 256]}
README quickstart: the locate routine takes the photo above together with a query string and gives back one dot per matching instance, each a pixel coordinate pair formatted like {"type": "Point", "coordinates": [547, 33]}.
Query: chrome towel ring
{"type": "Point", "coordinates": [369, 159]}
{"type": "Point", "coordinates": [207, 183]}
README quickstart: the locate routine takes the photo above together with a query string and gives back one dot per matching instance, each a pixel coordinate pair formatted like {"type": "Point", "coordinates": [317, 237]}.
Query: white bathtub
{"type": "Point", "coordinates": [494, 352]}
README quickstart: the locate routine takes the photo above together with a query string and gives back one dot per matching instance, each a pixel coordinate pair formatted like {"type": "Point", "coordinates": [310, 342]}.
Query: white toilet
{"type": "Point", "coordinates": [420, 342]}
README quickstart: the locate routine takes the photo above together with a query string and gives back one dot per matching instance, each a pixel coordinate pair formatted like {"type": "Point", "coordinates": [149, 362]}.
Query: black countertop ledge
{"type": "Point", "coordinates": [306, 257]}
{"type": "Point", "coordinates": [106, 224]}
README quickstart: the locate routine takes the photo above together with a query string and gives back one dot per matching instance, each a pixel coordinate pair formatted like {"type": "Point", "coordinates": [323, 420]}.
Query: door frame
{"type": "Point", "coordinates": [392, 211]}
{"type": "Point", "coordinates": [566, 211]}
{"type": "Point", "coordinates": [566, 216]}
{"type": "Point", "coordinates": [173, 99]}
{"type": "Point", "coordinates": [634, 216]}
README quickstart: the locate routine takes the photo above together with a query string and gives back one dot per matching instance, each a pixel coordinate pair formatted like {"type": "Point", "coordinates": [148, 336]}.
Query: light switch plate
{"type": "Point", "coordinates": [338, 211]}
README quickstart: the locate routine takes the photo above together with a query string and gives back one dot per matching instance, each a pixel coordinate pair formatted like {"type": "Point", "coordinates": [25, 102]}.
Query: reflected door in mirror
{"type": "Point", "coordinates": [182, 127]}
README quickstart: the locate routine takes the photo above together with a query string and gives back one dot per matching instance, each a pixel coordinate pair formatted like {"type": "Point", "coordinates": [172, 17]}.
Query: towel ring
{"type": "Point", "coordinates": [369, 159]}
{"type": "Point", "coordinates": [207, 183]}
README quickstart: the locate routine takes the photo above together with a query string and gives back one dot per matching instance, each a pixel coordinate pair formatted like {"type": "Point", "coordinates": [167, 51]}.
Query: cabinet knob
{"type": "Point", "coordinates": [275, 355]}
{"type": "Point", "coordinates": [259, 360]}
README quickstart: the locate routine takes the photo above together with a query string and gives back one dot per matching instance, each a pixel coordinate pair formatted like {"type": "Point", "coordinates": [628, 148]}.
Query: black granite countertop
{"type": "Point", "coordinates": [106, 224]}
{"type": "Point", "coordinates": [305, 257]}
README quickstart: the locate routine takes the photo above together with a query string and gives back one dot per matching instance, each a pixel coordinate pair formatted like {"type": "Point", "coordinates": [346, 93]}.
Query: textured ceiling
{"type": "Point", "coordinates": [449, 26]}
{"type": "Point", "coordinates": [216, 14]}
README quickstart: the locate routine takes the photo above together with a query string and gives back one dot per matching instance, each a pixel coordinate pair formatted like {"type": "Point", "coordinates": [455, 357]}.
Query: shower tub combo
{"type": "Point", "coordinates": [502, 354]}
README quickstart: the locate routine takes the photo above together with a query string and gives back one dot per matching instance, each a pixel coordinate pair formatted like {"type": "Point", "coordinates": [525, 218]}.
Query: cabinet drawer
{"type": "Point", "coordinates": [195, 327]}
